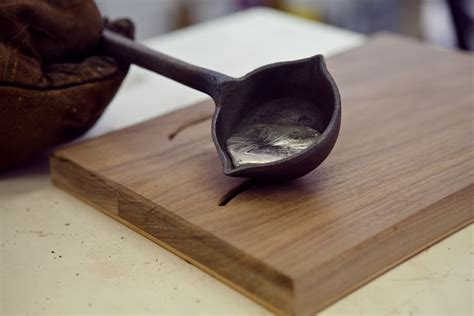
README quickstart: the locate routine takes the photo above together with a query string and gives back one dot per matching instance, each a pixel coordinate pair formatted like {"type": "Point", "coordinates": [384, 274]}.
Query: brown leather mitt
{"type": "Point", "coordinates": [54, 80]}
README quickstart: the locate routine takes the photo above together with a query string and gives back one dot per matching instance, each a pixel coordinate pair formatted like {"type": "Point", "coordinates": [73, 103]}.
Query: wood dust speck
{"type": "Point", "coordinates": [67, 224]}
{"type": "Point", "coordinates": [39, 233]}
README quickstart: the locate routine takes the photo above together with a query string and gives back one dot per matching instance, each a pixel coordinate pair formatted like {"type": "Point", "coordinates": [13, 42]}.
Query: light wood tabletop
{"type": "Point", "coordinates": [59, 255]}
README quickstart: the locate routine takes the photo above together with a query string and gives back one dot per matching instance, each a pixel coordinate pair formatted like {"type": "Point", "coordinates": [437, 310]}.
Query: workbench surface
{"type": "Point", "coordinates": [59, 255]}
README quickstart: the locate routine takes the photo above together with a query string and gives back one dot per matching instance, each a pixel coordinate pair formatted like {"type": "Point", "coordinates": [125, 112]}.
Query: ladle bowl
{"type": "Point", "coordinates": [296, 98]}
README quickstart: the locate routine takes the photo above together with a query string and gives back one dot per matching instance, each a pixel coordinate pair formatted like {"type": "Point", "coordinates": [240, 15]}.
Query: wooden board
{"type": "Point", "coordinates": [399, 179]}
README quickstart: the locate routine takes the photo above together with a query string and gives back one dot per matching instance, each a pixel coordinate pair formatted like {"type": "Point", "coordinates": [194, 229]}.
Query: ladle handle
{"type": "Point", "coordinates": [202, 79]}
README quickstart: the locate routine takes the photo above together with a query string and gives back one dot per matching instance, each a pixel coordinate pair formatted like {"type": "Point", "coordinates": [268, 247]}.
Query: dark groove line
{"type": "Point", "coordinates": [232, 193]}
{"type": "Point", "coordinates": [187, 125]}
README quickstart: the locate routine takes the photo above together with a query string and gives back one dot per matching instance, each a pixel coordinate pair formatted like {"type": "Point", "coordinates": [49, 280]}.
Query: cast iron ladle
{"type": "Point", "coordinates": [300, 92]}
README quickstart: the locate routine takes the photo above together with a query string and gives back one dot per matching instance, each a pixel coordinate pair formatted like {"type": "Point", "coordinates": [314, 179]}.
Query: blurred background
{"type": "Point", "coordinates": [447, 23]}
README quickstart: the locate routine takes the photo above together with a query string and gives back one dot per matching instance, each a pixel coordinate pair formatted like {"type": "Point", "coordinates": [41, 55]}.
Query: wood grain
{"type": "Point", "coordinates": [398, 180]}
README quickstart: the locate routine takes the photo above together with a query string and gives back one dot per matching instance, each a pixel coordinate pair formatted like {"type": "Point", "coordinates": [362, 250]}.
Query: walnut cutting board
{"type": "Point", "coordinates": [399, 179]}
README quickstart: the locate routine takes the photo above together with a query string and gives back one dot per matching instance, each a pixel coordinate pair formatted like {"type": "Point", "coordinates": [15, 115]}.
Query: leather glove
{"type": "Point", "coordinates": [54, 80]}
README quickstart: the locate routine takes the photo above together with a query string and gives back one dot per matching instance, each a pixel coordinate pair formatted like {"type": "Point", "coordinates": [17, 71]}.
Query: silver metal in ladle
{"type": "Point", "coordinates": [279, 121]}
